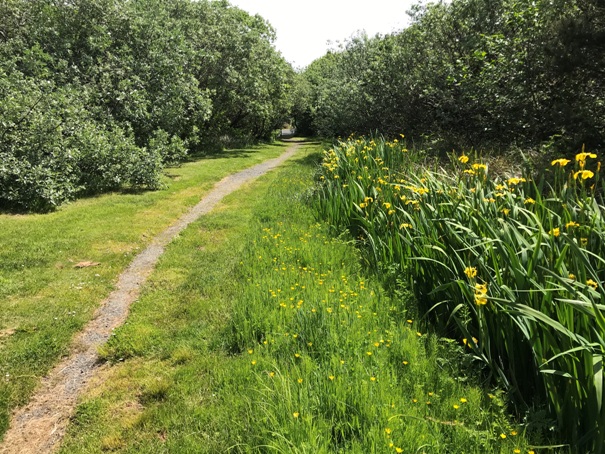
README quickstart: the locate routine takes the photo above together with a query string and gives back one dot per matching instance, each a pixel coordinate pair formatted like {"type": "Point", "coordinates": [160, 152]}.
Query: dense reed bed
{"type": "Point", "coordinates": [511, 267]}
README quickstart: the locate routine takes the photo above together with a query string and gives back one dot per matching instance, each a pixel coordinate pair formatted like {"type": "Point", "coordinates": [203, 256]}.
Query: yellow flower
{"type": "Point", "coordinates": [465, 341]}
{"type": "Point", "coordinates": [562, 162]}
{"type": "Point", "coordinates": [503, 436]}
{"type": "Point", "coordinates": [505, 211]}
{"type": "Point", "coordinates": [405, 226]}
{"type": "Point", "coordinates": [398, 450]}
{"type": "Point", "coordinates": [296, 414]}
{"type": "Point", "coordinates": [529, 200]}
{"type": "Point", "coordinates": [387, 205]}
{"type": "Point", "coordinates": [300, 380]}
{"type": "Point", "coordinates": [470, 271]}
{"type": "Point", "coordinates": [515, 181]}
{"type": "Point", "coordinates": [480, 299]}
{"type": "Point", "coordinates": [584, 174]}
{"type": "Point", "coordinates": [405, 363]}
{"type": "Point", "coordinates": [517, 451]}
{"type": "Point", "coordinates": [469, 172]}
{"type": "Point", "coordinates": [572, 276]}
{"type": "Point", "coordinates": [592, 283]}
{"type": "Point", "coordinates": [582, 156]}
{"type": "Point", "coordinates": [555, 232]}
{"type": "Point", "coordinates": [479, 166]}
{"type": "Point", "coordinates": [463, 400]}
{"type": "Point", "coordinates": [463, 159]}
{"type": "Point", "coordinates": [373, 378]}
{"type": "Point", "coordinates": [571, 224]}
{"type": "Point", "coordinates": [480, 288]}
{"type": "Point", "coordinates": [332, 377]}
{"type": "Point", "coordinates": [387, 431]}
{"type": "Point", "coordinates": [456, 406]}
{"type": "Point", "coordinates": [363, 205]}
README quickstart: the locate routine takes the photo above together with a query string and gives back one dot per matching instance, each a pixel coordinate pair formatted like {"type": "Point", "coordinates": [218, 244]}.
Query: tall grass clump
{"type": "Point", "coordinates": [513, 267]}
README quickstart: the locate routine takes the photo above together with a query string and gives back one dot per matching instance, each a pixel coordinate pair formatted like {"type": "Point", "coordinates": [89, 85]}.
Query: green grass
{"type": "Point", "coordinates": [260, 332]}
{"type": "Point", "coordinates": [45, 300]}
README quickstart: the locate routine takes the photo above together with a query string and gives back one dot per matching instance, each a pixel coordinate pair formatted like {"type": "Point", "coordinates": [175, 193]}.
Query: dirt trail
{"type": "Point", "coordinates": [40, 425]}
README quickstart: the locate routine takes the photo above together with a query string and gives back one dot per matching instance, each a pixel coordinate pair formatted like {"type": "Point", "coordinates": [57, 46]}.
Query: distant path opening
{"type": "Point", "coordinates": [41, 424]}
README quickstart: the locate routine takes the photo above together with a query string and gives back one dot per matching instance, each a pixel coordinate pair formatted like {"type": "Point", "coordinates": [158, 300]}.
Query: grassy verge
{"type": "Point", "coordinates": [259, 332]}
{"type": "Point", "coordinates": [45, 300]}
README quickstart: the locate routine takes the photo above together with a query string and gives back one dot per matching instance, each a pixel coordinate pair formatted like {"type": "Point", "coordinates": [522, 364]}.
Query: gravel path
{"type": "Point", "coordinates": [40, 425]}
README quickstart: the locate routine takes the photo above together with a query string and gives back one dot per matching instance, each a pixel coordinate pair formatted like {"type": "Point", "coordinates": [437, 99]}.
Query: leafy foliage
{"type": "Point", "coordinates": [100, 94]}
{"type": "Point", "coordinates": [474, 73]}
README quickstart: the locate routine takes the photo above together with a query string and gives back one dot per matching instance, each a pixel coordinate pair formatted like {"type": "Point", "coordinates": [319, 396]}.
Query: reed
{"type": "Point", "coordinates": [511, 267]}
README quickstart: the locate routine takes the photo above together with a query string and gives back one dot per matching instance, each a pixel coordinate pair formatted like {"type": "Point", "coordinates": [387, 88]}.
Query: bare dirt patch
{"type": "Point", "coordinates": [40, 425]}
{"type": "Point", "coordinates": [4, 333]}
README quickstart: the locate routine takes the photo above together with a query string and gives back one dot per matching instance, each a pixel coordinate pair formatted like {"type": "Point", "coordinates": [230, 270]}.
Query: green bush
{"type": "Point", "coordinates": [51, 149]}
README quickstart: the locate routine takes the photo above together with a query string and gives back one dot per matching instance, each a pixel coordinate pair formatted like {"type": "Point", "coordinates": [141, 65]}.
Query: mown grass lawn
{"type": "Point", "coordinates": [260, 332]}
{"type": "Point", "coordinates": [45, 300]}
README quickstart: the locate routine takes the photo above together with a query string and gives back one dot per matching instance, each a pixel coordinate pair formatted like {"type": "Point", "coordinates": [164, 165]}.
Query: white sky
{"type": "Point", "coordinates": [304, 28]}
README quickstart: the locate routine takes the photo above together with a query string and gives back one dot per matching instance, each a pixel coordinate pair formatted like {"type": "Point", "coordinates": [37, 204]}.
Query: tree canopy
{"type": "Point", "coordinates": [472, 73]}
{"type": "Point", "coordinates": [99, 94]}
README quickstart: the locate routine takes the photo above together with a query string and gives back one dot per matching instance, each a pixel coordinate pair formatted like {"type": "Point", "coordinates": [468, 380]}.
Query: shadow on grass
{"type": "Point", "coordinates": [169, 172]}
{"type": "Point", "coordinates": [311, 160]}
